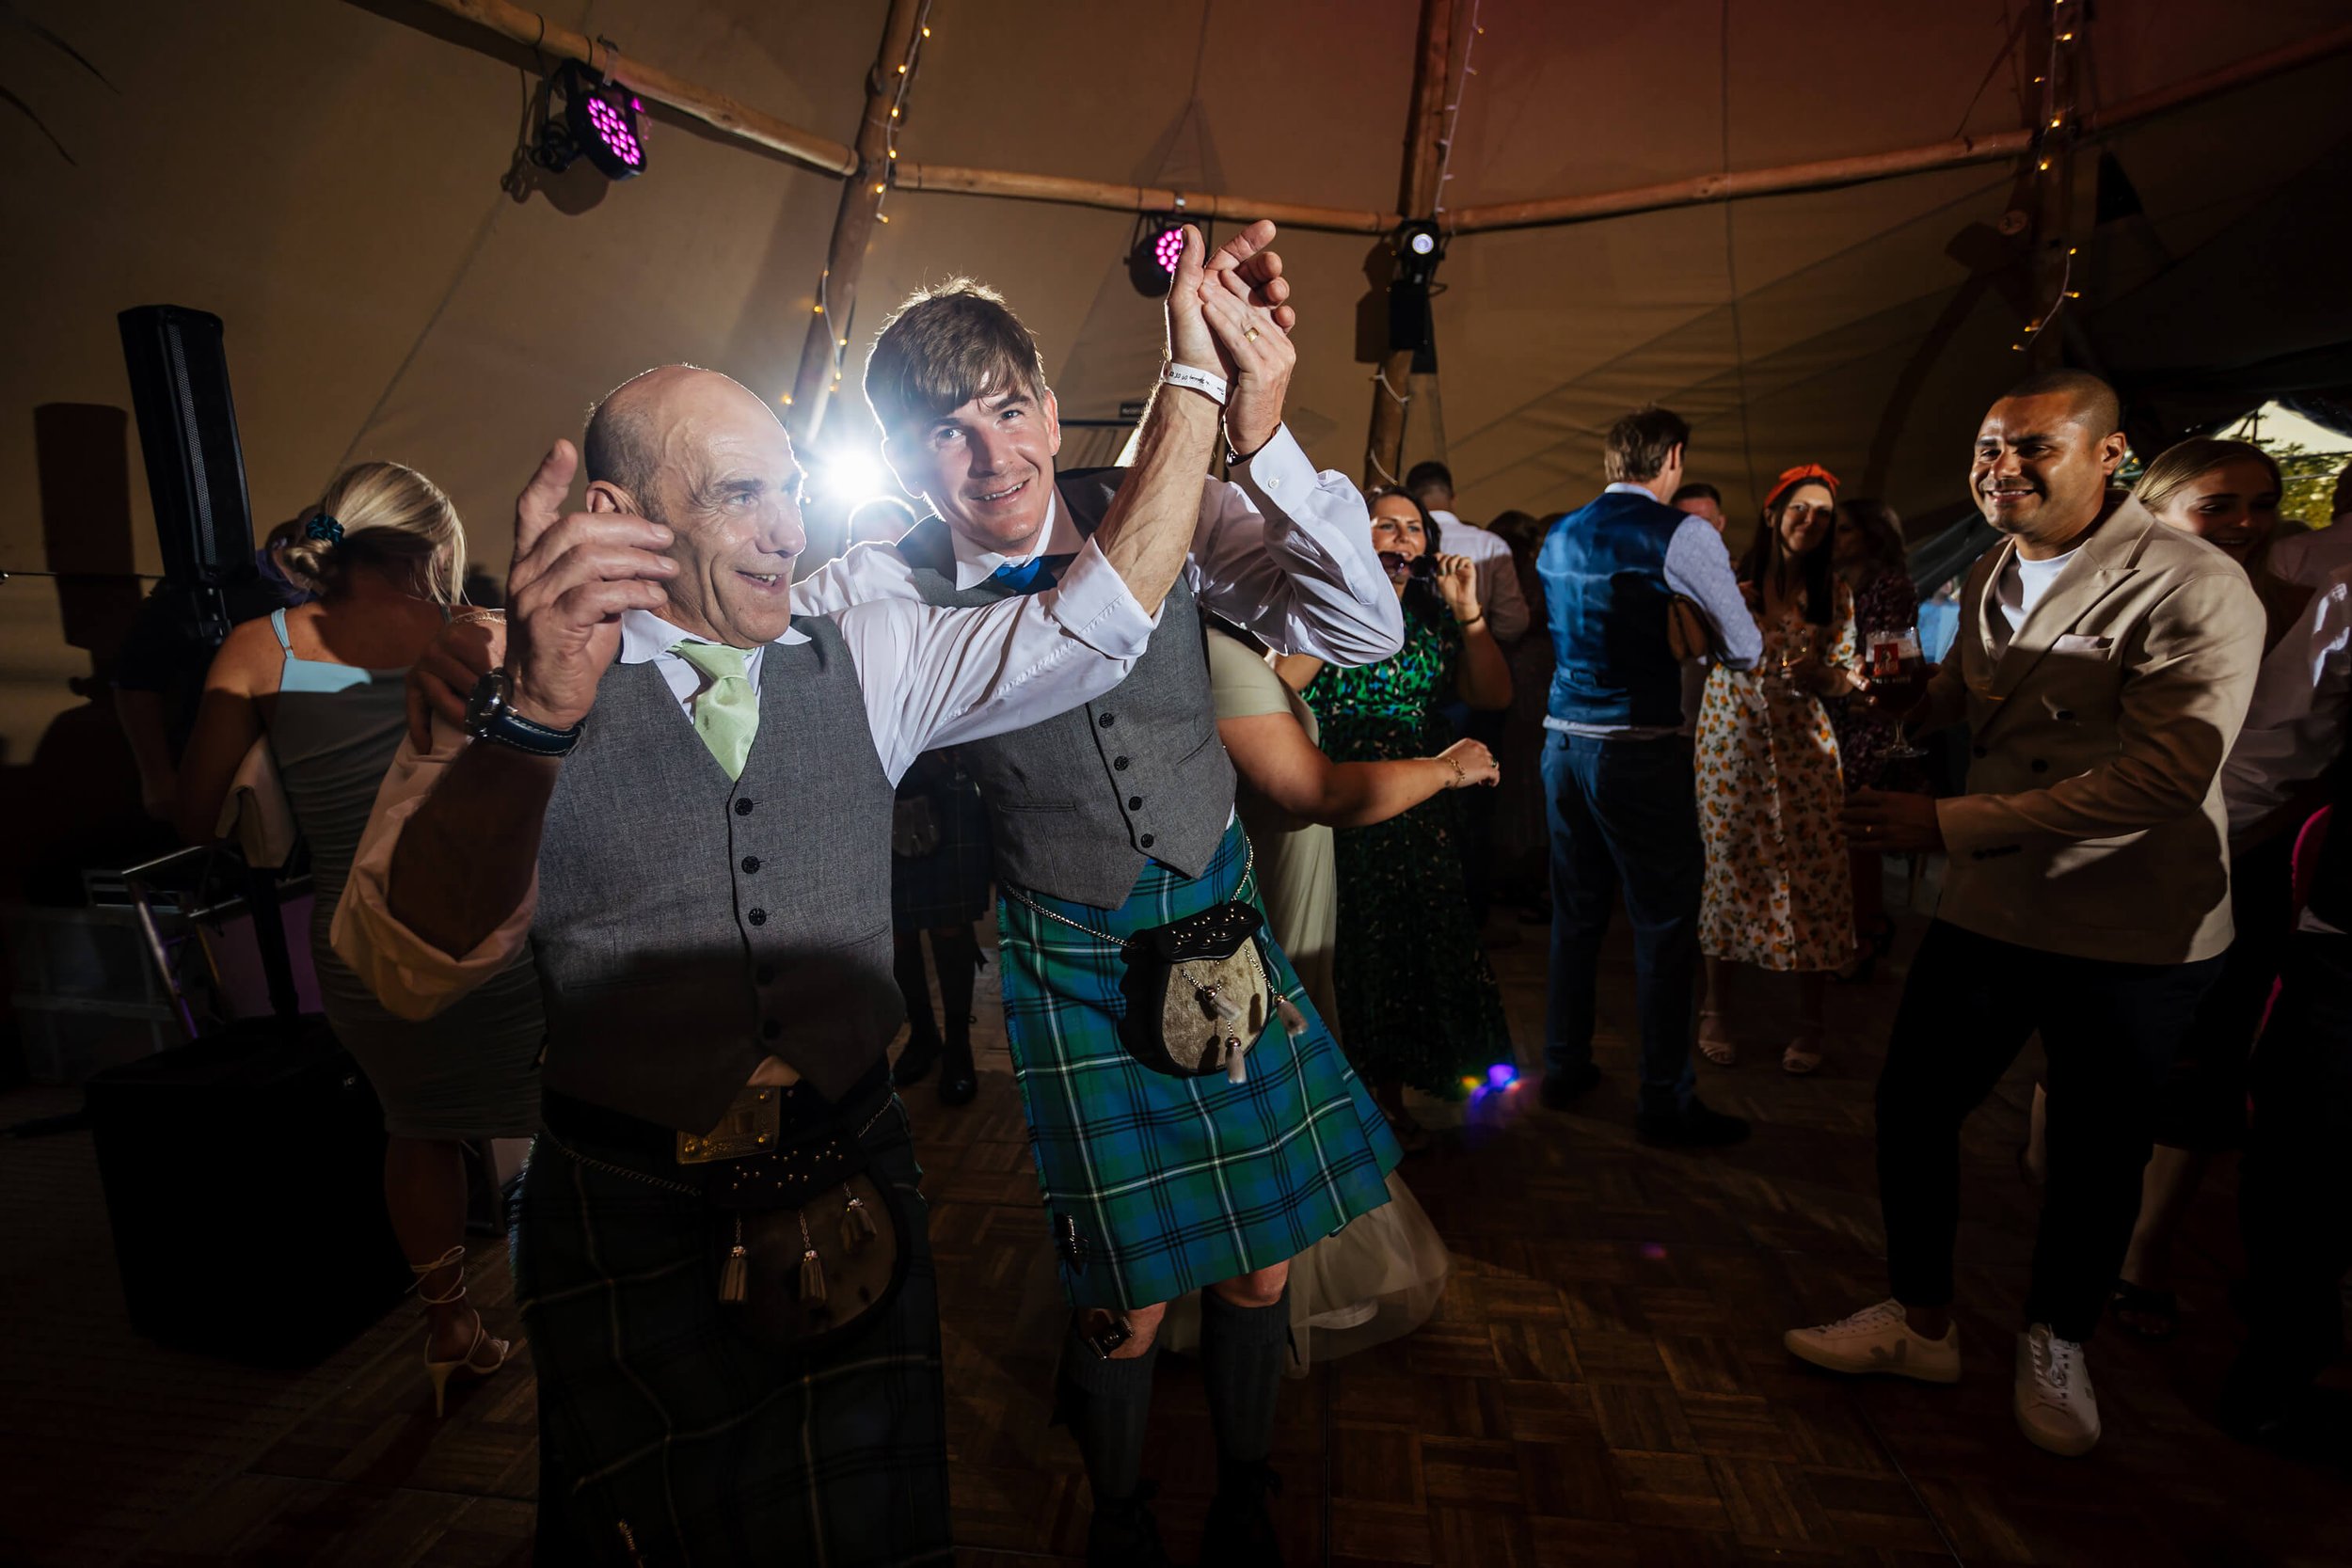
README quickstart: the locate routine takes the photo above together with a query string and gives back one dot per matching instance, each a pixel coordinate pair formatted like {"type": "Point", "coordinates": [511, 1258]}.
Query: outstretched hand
{"type": "Point", "coordinates": [1458, 584]}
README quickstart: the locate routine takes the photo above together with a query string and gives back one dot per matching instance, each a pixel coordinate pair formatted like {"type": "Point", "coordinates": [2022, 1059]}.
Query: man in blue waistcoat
{"type": "Point", "coordinates": [1618, 780]}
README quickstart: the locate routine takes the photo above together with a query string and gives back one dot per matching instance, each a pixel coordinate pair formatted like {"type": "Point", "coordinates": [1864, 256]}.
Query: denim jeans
{"type": "Point", "coordinates": [1623, 815]}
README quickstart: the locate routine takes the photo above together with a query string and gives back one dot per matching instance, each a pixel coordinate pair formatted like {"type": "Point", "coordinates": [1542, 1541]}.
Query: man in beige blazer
{"type": "Point", "coordinates": [2104, 663]}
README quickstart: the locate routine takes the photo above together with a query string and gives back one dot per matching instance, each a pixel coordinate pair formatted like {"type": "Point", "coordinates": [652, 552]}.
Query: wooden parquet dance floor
{"type": "Point", "coordinates": [1603, 1382]}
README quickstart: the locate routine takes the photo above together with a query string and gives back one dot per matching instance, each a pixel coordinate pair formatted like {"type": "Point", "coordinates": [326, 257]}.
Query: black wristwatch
{"type": "Point", "coordinates": [489, 718]}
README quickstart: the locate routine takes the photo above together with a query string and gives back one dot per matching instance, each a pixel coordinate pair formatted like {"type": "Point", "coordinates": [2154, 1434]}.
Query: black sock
{"type": "Point", "coordinates": [906, 967]}
{"type": "Point", "coordinates": [1110, 1405]}
{"type": "Point", "coordinates": [956, 954]}
{"type": "Point", "coordinates": [1242, 1349]}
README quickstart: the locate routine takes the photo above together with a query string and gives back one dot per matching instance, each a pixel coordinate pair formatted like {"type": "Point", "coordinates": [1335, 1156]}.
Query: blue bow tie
{"type": "Point", "coordinates": [1033, 576]}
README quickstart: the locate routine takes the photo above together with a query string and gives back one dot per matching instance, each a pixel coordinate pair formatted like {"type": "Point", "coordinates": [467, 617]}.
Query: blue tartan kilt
{"type": "Point", "coordinates": [669, 1439]}
{"type": "Point", "coordinates": [1155, 1185]}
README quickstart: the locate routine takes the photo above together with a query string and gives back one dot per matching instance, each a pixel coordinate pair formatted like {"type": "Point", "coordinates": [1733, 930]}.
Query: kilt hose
{"type": "Point", "coordinates": [1156, 1185]}
{"type": "Point", "coordinates": [666, 1438]}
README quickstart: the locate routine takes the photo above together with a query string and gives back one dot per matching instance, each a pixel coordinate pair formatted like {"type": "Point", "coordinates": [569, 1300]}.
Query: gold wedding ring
{"type": "Point", "coordinates": [1250, 336]}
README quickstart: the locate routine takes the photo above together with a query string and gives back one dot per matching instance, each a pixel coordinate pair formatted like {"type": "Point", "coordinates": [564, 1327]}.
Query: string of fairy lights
{"type": "Point", "coordinates": [902, 84]}
{"type": "Point", "coordinates": [1404, 399]}
{"type": "Point", "coordinates": [2053, 143]}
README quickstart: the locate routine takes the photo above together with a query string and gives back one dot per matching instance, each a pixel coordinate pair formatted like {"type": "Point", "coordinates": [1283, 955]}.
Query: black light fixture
{"type": "Point", "coordinates": [599, 122]}
{"type": "Point", "coordinates": [1419, 246]}
{"type": "Point", "coordinates": [1158, 245]}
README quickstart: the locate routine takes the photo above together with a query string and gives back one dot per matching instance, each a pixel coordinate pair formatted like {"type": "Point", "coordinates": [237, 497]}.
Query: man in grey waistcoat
{"type": "Point", "coordinates": [1116, 817]}
{"type": "Point", "coordinates": [677, 792]}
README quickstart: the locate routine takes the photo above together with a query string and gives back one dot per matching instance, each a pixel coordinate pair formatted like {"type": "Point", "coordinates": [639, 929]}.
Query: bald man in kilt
{"type": "Point", "coordinates": [677, 791]}
{"type": "Point", "coordinates": [1117, 817]}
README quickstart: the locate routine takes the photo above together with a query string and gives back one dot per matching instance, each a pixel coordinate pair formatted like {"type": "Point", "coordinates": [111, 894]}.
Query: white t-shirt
{"type": "Point", "coordinates": [2022, 585]}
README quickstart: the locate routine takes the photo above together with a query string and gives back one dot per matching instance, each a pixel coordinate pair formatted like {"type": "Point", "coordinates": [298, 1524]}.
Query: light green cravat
{"type": "Point", "coordinates": [726, 712]}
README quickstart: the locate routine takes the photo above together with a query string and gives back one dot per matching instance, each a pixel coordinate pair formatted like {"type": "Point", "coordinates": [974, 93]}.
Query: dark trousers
{"type": "Point", "coordinates": [1625, 815]}
{"type": "Point", "coordinates": [2292, 1205]}
{"type": "Point", "coordinates": [2109, 1033]}
{"type": "Point", "coordinates": [2202, 1105]}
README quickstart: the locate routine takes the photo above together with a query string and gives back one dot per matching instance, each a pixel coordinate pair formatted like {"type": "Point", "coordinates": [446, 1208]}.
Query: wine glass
{"type": "Point", "coordinates": [1895, 660]}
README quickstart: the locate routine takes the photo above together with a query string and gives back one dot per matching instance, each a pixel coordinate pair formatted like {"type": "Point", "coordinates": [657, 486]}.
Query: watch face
{"type": "Point", "coordinates": [487, 701]}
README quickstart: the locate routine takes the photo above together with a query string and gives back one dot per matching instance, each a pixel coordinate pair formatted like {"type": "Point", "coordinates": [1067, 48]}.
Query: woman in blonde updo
{"type": "Point", "coordinates": [323, 686]}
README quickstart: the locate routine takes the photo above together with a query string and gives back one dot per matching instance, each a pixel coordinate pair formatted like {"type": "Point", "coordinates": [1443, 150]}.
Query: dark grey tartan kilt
{"type": "Point", "coordinates": [662, 1429]}
{"type": "Point", "coordinates": [950, 885]}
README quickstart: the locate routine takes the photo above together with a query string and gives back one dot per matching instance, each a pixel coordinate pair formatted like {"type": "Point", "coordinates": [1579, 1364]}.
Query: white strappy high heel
{"type": "Point", "coordinates": [472, 1361]}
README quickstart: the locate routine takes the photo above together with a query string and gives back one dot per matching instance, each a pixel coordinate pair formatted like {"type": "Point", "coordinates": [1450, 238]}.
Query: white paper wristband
{"type": "Point", "coordinates": [1198, 380]}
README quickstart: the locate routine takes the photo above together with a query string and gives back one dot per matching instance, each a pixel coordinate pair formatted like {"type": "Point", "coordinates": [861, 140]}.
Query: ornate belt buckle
{"type": "Point", "coordinates": [750, 1126]}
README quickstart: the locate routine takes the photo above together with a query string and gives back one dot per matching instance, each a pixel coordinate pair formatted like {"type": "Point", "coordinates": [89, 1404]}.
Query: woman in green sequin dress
{"type": "Point", "coordinates": [1418, 1002]}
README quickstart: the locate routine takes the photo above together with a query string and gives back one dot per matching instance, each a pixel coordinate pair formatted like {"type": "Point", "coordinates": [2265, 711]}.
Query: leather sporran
{"type": "Point", "coordinates": [1199, 994]}
{"type": "Point", "coordinates": [813, 1248]}
{"type": "Point", "coordinates": [913, 826]}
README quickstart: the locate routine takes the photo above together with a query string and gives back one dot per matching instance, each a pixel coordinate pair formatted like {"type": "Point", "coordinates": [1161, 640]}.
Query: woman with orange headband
{"type": "Point", "coordinates": [1778, 894]}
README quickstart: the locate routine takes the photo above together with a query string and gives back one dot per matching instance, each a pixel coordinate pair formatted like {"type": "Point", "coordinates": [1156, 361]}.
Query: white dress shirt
{"type": "Point", "coordinates": [930, 678]}
{"type": "Point", "coordinates": [2295, 724]}
{"type": "Point", "coordinates": [1281, 549]}
{"type": "Point", "coordinates": [1499, 592]}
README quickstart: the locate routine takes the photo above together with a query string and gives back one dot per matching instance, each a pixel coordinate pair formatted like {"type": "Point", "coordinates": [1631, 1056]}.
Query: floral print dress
{"type": "Point", "coordinates": [1418, 1001]}
{"type": "Point", "coordinates": [1778, 892]}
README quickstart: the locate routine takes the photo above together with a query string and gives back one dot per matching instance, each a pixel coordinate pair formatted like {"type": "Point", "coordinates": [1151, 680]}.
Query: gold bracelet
{"type": "Point", "coordinates": [1459, 777]}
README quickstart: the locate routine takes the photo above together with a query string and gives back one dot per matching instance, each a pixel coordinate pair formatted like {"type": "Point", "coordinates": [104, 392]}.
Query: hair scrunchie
{"type": "Point", "coordinates": [1791, 478]}
{"type": "Point", "coordinates": [324, 527]}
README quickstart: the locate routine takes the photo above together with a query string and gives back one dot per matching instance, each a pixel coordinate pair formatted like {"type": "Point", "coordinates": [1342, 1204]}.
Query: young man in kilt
{"type": "Point", "coordinates": [1119, 816]}
{"type": "Point", "coordinates": [677, 793]}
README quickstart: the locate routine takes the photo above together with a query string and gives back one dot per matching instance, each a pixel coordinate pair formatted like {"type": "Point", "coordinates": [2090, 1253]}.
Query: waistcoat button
{"type": "Point", "coordinates": [751, 863]}
{"type": "Point", "coordinates": [1145, 841]}
{"type": "Point", "coordinates": [742, 808]}
{"type": "Point", "coordinates": [1105, 721]}
{"type": "Point", "coordinates": [771, 1029]}
{"type": "Point", "coordinates": [1135, 802]}
{"type": "Point", "coordinates": [1119, 762]}
{"type": "Point", "coordinates": [757, 917]}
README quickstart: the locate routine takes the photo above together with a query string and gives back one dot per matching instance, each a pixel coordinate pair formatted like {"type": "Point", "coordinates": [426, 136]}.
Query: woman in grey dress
{"type": "Point", "coordinates": [324, 684]}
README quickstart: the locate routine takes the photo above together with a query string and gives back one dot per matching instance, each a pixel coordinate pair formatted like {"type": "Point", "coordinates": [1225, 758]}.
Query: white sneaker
{"type": "Point", "coordinates": [1877, 1339]}
{"type": "Point", "coordinates": [2056, 1408]}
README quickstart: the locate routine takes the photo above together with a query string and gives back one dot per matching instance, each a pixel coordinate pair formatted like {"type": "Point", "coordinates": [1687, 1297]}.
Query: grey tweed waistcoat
{"type": "Point", "coordinates": [688, 926]}
{"type": "Point", "coordinates": [1079, 803]}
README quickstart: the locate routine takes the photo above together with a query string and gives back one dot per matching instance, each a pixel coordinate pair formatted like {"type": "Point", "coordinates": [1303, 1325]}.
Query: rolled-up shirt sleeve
{"type": "Point", "coordinates": [1698, 567]}
{"type": "Point", "coordinates": [1287, 552]}
{"type": "Point", "coordinates": [410, 976]}
{"type": "Point", "coordinates": [936, 677]}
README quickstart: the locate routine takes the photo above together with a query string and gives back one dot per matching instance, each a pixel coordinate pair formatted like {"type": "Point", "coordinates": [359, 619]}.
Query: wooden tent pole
{"type": "Point", "coordinates": [1881, 166]}
{"type": "Point", "coordinates": [913, 176]}
{"type": "Point", "coordinates": [822, 353]}
{"type": "Point", "coordinates": [2059, 132]}
{"type": "Point", "coordinates": [1417, 197]}
{"type": "Point", "coordinates": [534, 31]}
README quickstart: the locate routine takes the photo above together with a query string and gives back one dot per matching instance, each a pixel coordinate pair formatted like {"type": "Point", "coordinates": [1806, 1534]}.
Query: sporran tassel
{"type": "Point", "coordinates": [1236, 1067]}
{"type": "Point", "coordinates": [733, 1274]}
{"type": "Point", "coordinates": [857, 1226]}
{"type": "Point", "coordinates": [1292, 1019]}
{"type": "Point", "coordinates": [812, 1270]}
{"type": "Point", "coordinates": [1228, 1010]}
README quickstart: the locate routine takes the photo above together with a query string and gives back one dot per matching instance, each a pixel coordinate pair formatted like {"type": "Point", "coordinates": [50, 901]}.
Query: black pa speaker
{"type": "Point", "coordinates": [244, 1184]}
{"type": "Point", "coordinates": [188, 431]}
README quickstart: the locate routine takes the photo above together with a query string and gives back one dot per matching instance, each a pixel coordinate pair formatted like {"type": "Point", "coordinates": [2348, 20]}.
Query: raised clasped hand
{"type": "Point", "coordinates": [1228, 314]}
{"type": "Point", "coordinates": [1458, 584]}
{"type": "Point", "coordinates": [574, 575]}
